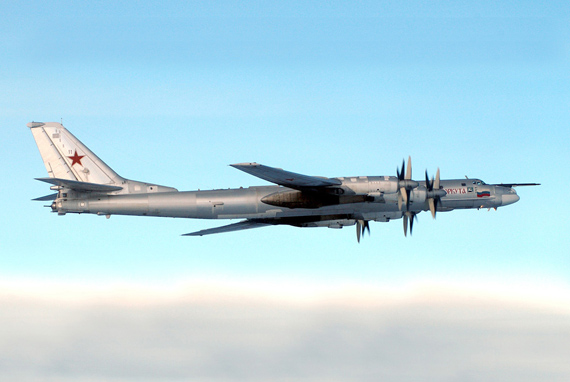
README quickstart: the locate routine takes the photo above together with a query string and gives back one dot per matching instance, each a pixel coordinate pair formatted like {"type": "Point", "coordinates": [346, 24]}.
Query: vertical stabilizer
{"type": "Point", "coordinates": [65, 157]}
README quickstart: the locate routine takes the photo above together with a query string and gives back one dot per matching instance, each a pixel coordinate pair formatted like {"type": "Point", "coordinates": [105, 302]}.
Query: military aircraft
{"type": "Point", "coordinates": [85, 184]}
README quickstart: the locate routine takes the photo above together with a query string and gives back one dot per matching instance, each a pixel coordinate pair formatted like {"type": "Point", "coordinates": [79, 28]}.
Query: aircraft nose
{"type": "Point", "coordinates": [509, 199]}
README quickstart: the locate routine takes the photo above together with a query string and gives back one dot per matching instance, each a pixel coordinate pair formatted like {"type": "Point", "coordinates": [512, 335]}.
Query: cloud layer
{"type": "Point", "coordinates": [246, 331]}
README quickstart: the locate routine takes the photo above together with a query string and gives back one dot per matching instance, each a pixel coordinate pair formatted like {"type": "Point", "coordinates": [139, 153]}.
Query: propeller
{"type": "Point", "coordinates": [405, 187]}
{"type": "Point", "coordinates": [361, 227]}
{"type": "Point", "coordinates": [434, 194]}
{"type": "Point", "coordinates": [409, 218]}
{"type": "Point", "coordinates": [405, 184]}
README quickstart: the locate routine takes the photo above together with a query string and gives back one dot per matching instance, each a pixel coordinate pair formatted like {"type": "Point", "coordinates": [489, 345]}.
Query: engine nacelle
{"type": "Point", "coordinates": [418, 195]}
{"type": "Point", "coordinates": [298, 199]}
{"type": "Point", "coordinates": [383, 185]}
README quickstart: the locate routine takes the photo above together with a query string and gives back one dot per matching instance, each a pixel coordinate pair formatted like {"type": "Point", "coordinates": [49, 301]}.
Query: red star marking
{"type": "Point", "coordinates": [76, 159]}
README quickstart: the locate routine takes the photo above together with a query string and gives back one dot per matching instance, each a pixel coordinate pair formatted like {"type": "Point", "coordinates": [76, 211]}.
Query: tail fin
{"type": "Point", "coordinates": [72, 165]}
{"type": "Point", "coordinates": [65, 157]}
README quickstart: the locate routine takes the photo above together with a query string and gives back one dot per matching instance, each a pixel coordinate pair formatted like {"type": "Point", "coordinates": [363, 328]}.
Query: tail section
{"type": "Point", "coordinates": [71, 165]}
{"type": "Point", "coordinates": [65, 157]}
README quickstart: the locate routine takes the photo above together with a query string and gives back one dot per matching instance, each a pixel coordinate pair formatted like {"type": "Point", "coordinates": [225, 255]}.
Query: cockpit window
{"type": "Point", "coordinates": [479, 182]}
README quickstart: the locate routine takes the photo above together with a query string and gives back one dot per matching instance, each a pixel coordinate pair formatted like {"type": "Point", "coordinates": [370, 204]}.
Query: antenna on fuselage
{"type": "Point", "coordinates": [466, 177]}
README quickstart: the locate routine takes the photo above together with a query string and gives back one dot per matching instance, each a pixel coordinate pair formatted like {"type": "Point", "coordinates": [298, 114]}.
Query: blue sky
{"type": "Point", "coordinates": [174, 92]}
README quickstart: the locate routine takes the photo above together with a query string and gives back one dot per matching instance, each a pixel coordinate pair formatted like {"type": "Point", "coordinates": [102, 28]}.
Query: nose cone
{"type": "Point", "coordinates": [509, 199]}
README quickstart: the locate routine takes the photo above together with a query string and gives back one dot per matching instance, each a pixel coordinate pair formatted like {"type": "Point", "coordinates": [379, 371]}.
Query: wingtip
{"type": "Point", "coordinates": [32, 124]}
{"type": "Point", "coordinates": [245, 164]}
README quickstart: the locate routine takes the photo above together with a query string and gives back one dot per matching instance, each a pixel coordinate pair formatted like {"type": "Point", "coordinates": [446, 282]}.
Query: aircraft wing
{"type": "Point", "coordinates": [285, 178]}
{"type": "Point", "coordinates": [80, 186]}
{"type": "Point", "coordinates": [244, 224]}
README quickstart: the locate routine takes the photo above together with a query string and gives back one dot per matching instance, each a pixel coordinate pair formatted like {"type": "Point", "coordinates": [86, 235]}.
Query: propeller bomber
{"type": "Point", "coordinates": [85, 184]}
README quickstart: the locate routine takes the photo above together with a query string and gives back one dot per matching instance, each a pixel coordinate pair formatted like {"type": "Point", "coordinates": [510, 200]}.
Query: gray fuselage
{"type": "Point", "coordinates": [246, 203]}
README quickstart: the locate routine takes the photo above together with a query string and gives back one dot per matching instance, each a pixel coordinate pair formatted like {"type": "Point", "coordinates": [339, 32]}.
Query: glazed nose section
{"type": "Point", "coordinates": [509, 198]}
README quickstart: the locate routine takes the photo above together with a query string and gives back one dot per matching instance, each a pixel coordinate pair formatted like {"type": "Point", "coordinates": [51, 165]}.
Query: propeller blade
{"type": "Point", "coordinates": [401, 173]}
{"type": "Point", "coordinates": [408, 219]}
{"type": "Point", "coordinates": [436, 202]}
{"type": "Point", "coordinates": [402, 196]}
{"type": "Point", "coordinates": [436, 183]}
{"type": "Point", "coordinates": [362, 226]}
{"type": "Point", "coordinates": [434, 198]}
{"type": "Point", "coordinates": [432, 204]}
{"type": "Point", "coordinates": [405, 183]}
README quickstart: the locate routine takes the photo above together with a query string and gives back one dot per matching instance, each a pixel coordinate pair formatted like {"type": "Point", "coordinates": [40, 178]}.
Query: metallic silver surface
{"type": "Point", "coordinates": [85, 184]}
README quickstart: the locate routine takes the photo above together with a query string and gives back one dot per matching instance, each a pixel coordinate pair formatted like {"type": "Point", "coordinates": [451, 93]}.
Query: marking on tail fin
{"type": "Point", "coordinates": [76, 159]}
{"type": "Point", "coordinates": [61, 151]}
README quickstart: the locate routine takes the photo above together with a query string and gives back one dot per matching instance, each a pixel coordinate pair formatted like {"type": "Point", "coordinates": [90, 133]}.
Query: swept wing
{"type": "Point", "coordinates": [286, 178]}
{"type": "Point", "coordinates": [244, 224]}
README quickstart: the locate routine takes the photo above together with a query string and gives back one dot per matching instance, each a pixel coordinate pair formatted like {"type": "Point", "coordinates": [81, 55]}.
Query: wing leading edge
{"type": "Point", "coordinates": [285, 178]}
{"type": "Point", "coordinates": [244, 224]}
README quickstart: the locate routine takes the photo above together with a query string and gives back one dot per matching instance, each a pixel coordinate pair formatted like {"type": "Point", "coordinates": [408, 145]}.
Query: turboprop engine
{"type": "Point", "coordinates": [410, 191]}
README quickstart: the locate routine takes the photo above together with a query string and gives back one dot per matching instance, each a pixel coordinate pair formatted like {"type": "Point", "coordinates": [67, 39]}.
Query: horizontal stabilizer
{"type": "Point", "coordinates": [46, 198]}
{"type": "Point", "coordinates": [245, 224]}
{"type": "Point", "coordinates": [285, 178]}
{"type": "Point", "coordinates": [80, 186]}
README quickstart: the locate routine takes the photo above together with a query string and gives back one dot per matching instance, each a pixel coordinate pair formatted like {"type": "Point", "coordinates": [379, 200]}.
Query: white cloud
{"type": "Point", "coordinates": [261, 330]}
